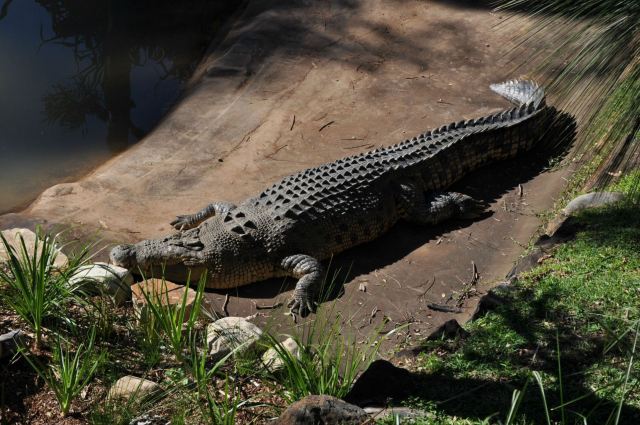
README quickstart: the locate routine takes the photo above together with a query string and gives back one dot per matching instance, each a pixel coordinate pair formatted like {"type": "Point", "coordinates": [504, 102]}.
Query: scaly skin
{"type": "Point", "coordinates": [307, 217]}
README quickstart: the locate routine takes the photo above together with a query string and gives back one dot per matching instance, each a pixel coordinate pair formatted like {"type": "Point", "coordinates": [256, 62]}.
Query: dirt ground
{"type": "Point", "coordinates": [296, 84]}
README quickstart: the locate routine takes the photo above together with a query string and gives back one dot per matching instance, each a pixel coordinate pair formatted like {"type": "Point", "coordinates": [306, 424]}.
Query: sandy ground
{"type": "Point", "coordinates": [296, 84]}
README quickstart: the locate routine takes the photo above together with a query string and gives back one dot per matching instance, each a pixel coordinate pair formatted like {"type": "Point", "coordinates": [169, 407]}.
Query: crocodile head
{"type": "Point", "coordinates": [228, 258]}
{"type": "Point", "coordinates": [158, 255]}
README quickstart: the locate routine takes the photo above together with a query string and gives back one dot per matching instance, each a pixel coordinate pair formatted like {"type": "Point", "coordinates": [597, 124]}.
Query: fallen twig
{"type": "Point", "coordinates": [272, 154]}
{"type": "Point", "coordinates": [325, 126]}
{"type": "Point", "coordinates": [373, 314]}
{"type": "Point", "coordinates": [225, 305]}
{"type": "Point", "coordinates": [367, 145]}
{"type": "Point", "coordinates": [293, 122]}
{"type": "Point", "coordinates": [474, 273]}
{"type": "Point", "coordinates": [444, 308]}
{"type": "Point", "coordinates": [433, 282]}
{"type": "Point", "coordinates": [269, 307]}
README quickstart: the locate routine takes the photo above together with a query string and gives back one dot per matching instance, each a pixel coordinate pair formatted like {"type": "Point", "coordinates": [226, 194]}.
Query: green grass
{"type": "Point", "coordinates": [627, 184]}
{"type": "Point", "coordinates": [561, 349]}
{"type": "Point", "coordinates": [328, 361]}
{"type": "Point", "coordinates": [33, 286]}
{"type": "Point", "coordinates": [174, 323]}
{"type": "Point", "coordinates": [70, 371]}
{"type": "Point", "coordinates": [215, 409]}
{"type": "Point", "coordinates": [568, 332]}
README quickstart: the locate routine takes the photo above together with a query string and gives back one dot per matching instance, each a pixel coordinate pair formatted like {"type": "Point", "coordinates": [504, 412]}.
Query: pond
{"type": "Point", "coordinates": [81, 80]}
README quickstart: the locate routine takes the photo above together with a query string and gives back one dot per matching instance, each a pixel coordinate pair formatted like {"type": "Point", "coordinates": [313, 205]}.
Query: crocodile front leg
{"type": "Point", "coordinates": [189, 221]}
{"type": "Point", "coordinates": [308, 271]}
{"type": "Point", "coordinates": [436, 207]}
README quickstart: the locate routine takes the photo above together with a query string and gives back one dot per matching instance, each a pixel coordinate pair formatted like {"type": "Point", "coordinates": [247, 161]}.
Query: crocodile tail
{"type": "Point", "coordinates": [521, 92]}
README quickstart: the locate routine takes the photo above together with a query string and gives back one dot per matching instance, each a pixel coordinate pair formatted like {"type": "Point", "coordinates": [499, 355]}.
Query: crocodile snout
{"type": "Point", "coordinates": [124, 256]}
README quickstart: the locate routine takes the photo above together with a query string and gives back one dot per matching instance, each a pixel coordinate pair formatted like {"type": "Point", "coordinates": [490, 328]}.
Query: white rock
{"type": "Point", "coordinates": [131, 386]}
{"type": "Point", "coordinates": [10, 342]}
{"type": "Point", "coordinates": [13, 238]}
{"type": "Point", "coordinates": [592, 200]}
{"type": "Point", "coordinates": [150, 420]}
{"type": "Point", "coordinates": [273, 362]}
{"type": "Point", "coordinates": [106, 279]}
{"type": "Point", "coordinates": [229, 333]}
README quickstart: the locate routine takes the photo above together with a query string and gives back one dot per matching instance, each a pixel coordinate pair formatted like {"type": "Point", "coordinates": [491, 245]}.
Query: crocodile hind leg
{"type": "Point", "coordinates": [189, 221]}
{"type": "Point", "coordinates": [308, 271]}
{"type": "Point", "coordinates": [436, 207]}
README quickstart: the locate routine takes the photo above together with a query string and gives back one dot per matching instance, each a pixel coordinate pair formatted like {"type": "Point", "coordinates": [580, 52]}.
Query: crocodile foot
{"type": "Point", "coordinates": [302, 306]}
{"type": "Point", "coordinates": [309, 272]}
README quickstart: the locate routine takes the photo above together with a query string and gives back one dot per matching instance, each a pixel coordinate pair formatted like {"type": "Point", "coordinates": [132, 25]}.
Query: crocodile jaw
{"type": "Point", "coordinates": [148, 253]}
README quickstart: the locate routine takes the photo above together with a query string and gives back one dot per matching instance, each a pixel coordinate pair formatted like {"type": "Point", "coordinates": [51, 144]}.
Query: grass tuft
{"type": "Point", "coordinates": [70, 371]}
{"type": "Point", "coordinates": [34, 287]}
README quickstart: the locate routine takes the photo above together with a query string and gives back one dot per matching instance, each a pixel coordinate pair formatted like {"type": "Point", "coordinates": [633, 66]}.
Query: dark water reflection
{"type": "Point", "coordinates": [80, 80]}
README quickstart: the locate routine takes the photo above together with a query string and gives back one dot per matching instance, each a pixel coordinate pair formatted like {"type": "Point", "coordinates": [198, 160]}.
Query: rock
{"type": "Point", "coordinates": [272, 360]}
{"type": "Point", "coordinates": [162, 291]}
{"type": "Point", "coordinates": [129, 387]}
{"type": "Point", "coordinates": [380, 383]}
{"type": "Point", "coordinates": [488, 302]}
{"type": "Point", "coordinates": [449, 329]}
{"type": "Point", "coordinates": [150, 420]}
{"type": "Point", "coordinates": [409, 352]}
{"type": "Point", "coordinates": [229, 333]}
{"type": "Point", "coordinates": [10, 342]}
{"type": "Point", "coordinates": [561, 231]}
{"type": "Point", "coordinates": [592, 200]}
{"type": "Point", "coordinates": [105, 279]}
{"type": "Point", "coordinates": [403, 413]}
{"type": "Point", "coordinates": [322, 409]}
{"type": "Point", "coordinates": [13, 238]}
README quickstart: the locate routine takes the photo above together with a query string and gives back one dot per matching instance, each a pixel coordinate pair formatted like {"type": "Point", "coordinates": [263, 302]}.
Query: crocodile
{"type": "Point", "coordinates": [289, 228]}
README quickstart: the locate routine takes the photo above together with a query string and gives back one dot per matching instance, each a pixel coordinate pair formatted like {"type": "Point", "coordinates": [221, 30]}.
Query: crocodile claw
{"type": "Point", "coordinates": [301, 306]}
{"type": "Point", "coordinates": [473, 208]}
{"type": "Point", "coordinates": [182, 223]}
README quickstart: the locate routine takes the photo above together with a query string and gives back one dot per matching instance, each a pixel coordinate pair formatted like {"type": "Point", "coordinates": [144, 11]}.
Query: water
{"type": "Point", "coordinates": [80, 80]}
